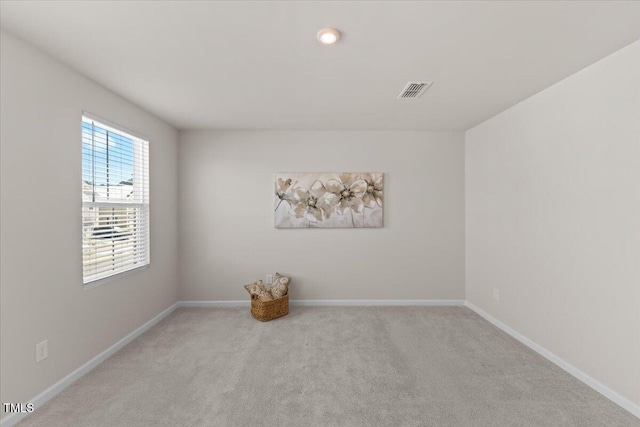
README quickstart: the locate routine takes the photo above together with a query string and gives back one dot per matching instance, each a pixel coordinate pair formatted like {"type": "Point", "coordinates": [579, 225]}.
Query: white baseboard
{"type": "Point", "coordinates": [588, 380]}
{"type": "Point", "coordinates": [376, 302]}
{"type": "Point", "coordinates": [245, 303]}
{"type": "Point", "coordinates": [331, 302]}
{"type": "Point", "coordinates": [49, 393]}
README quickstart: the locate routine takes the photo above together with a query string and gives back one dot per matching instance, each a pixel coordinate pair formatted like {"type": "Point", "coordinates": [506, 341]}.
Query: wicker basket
{"type": "Point", "coordinates": [269, 310]}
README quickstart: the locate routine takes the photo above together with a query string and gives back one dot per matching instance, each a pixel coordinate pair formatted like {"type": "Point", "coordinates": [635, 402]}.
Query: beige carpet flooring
{"type": "Point", "coordinates": [328, 366]}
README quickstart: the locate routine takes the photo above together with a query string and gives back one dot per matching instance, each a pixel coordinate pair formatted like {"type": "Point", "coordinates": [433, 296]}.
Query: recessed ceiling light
{"type": "Point", "coordinates": [328, 36]}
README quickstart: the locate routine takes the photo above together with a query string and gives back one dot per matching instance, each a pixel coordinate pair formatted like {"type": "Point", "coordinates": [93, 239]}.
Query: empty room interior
{"type": "Point", "coordinates": [320, 213]}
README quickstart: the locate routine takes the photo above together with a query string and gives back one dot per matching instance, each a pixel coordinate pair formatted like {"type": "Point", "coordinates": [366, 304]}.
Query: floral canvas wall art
{"type": "Point", "coordinates": [328, 200]}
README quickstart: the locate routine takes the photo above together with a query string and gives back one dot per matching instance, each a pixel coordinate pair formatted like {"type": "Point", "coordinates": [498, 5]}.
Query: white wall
{"type": "Point", "coordinates": [553, 219]}
{"type": "Point", "coordinates": [227, 236]}
{"type": "Point", "coordinates": [41, 271]}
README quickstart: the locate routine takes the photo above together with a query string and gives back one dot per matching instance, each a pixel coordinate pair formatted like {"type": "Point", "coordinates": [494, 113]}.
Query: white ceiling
{"type": "Point", "coordinates": [257, 65]}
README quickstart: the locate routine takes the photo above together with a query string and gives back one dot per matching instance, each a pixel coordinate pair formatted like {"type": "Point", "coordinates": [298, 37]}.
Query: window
{"type": "Point", "coordinates": [115, 200]}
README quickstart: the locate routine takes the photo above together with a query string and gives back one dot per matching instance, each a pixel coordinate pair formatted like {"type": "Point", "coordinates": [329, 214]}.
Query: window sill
{"type": "Point", "coordinates": [105, 280]}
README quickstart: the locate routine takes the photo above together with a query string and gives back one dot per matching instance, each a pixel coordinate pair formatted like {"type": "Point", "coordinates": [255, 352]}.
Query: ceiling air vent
{"type": "Point", "coordinates": [414, 90]}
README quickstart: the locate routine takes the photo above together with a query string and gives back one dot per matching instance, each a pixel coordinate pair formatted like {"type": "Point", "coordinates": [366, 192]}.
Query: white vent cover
{"type": "Point", "coordinates": [414, 90]}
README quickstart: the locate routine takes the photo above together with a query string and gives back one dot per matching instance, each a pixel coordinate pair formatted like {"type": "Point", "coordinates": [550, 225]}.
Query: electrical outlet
{"type": "Point", "coordinates": [269, 279]}
{"type": "Point", "coordinates": [496, 294]}
{"type": "Point", "coordinates": [42, 350]}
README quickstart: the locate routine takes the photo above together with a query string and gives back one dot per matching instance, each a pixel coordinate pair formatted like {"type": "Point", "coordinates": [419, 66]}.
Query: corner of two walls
{"type": "Point", "coordinates": [553, 220]}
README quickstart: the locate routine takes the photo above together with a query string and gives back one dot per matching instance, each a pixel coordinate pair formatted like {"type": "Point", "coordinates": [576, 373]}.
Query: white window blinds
{"type": "Point", "coordinates": [115, 201]}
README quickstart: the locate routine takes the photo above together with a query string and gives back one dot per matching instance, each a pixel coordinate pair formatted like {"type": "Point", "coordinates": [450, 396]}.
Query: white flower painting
{"type": "Point", "coordinates": [328, 200]}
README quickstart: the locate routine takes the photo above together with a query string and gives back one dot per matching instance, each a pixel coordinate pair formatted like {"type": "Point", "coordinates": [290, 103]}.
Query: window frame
{"type": "Point", "coordinates": [139, 142]}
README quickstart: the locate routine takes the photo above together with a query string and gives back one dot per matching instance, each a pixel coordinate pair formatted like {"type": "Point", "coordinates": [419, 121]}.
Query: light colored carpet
{"type": "Point", "coordinates": [328, 366]}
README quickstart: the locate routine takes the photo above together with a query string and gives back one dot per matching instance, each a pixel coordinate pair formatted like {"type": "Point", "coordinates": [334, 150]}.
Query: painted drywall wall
{"type": "Point", "coordinates": [553, 219]}
{"type": "Point", "coordinates": [227, 234]}
{"type": "Point", "coordinates": [41, 271]}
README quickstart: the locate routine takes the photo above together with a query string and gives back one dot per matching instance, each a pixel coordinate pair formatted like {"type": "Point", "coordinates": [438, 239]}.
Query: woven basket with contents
{"type": "Point", "coordinates": [269, 304]}
{"type": "Point", "coordinates": [269, 310]}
